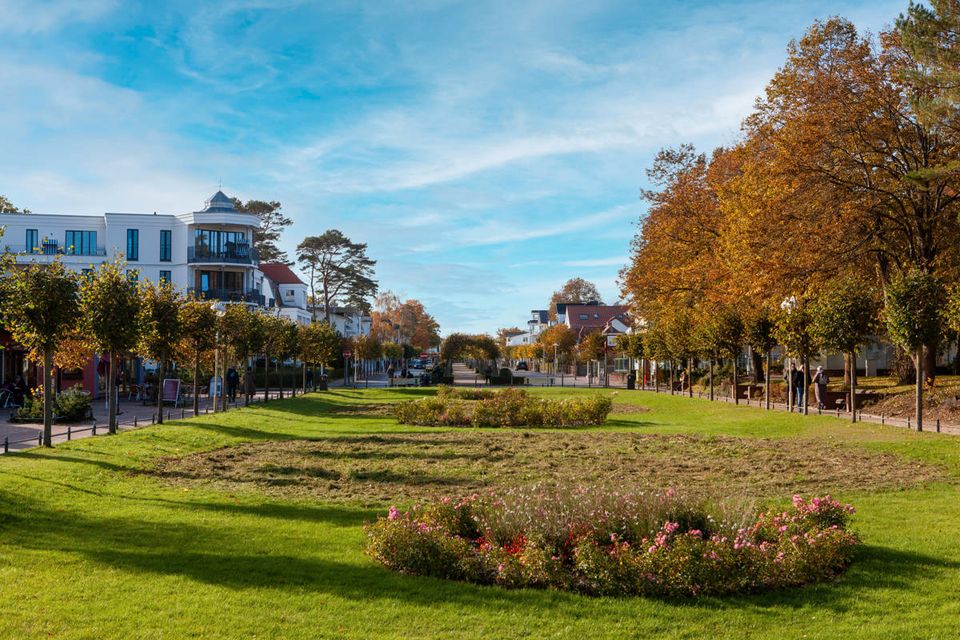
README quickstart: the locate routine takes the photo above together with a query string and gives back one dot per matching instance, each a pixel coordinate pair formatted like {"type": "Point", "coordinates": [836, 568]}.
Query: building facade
{"type": "Point", "coordinates": [208, 253]}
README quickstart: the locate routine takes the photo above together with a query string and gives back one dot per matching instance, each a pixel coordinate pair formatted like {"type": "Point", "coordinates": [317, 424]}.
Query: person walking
{"type": "Point", "coordinates": [249, 385]}
{"type": "Point", "coordinates": [233, 379]}
{"type": "Point", "coordinates": [820, 381]}
{"type": "Point", "coordinates": [800, 382]}
{"type": "Point", "coordinates": [795, 384]}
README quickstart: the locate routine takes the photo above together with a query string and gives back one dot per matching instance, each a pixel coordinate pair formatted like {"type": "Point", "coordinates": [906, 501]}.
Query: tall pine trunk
{"type": "Point", "coordinates": [48, 398]}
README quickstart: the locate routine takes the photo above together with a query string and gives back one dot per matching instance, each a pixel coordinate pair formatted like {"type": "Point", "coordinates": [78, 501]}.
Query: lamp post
{"type": "Point", "coordinates": [788, 305]}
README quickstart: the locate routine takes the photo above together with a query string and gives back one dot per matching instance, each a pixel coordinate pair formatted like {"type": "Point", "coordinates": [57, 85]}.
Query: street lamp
{"type": "Point", "coordinates": [789, 305]}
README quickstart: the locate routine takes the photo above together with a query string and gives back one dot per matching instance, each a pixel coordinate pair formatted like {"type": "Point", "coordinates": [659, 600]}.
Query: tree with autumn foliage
{"type": "Point", "coordinates": [576, 291]}
{"type": "Point", "coordinates": [111, 305]}
{"type": "Point", "coordinates": [198, 322]}
{"type": "Point", "coordinates": [40, 308]}
{"type": "Point", "coordinates": [160, 329]}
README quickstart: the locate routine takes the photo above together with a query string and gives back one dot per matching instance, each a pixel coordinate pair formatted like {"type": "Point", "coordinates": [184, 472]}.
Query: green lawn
{"type": "Point", "coordinates": [94, 544]}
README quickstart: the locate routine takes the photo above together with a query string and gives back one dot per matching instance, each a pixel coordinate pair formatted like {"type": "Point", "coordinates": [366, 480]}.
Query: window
{"type": "Point", "coordinates": [81, 243]}
{"type": "Point", "coordinates": [133, 275]}
{"type": "Point", "coordinates": [133, 244]}
{"type": "Point", "coordinates": [86, 273]}
{"type": "Point", "coordinates": [166, 245]}
{"type": "Point", "coordinates": [33, 241]}
{"type": "Point", "coordinates": [166, 276]}
{"type": "Point", "coordinates": [584, 316]}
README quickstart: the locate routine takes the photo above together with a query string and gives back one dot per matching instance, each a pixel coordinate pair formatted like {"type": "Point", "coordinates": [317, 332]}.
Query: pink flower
{"type": "Point", "coordinates": [394, 514]}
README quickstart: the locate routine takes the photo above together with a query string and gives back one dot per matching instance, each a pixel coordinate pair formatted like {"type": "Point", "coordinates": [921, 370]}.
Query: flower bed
{"type": "Point", "coordinates": [506, 408]}
{"type": "Point", "coordinates": [609, 543]}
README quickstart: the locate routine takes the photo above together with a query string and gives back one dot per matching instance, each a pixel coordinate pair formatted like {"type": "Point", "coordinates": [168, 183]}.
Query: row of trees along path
{"type": "Point", "coordinates": [62, 319]}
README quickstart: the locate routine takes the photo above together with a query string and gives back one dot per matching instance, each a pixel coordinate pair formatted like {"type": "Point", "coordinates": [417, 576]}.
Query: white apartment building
{"type": "Point", "coordinates": [207, 252]}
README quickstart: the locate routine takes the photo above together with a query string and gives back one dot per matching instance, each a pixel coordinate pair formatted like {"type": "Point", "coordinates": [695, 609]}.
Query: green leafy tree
{"type": "Point", "coordinates": [576, 291]}
{"type": "Point", "coordinates": [272, 224]}
{"type": "Point", "coordinates": [110, 303]}
{"type": "Point", "coordinates": [794, 330]}
{"type": "Point", "coordinates": [243, 331]}
{"type": "Point", "coordinates": [289, 346]}
{"type": "Point", "coordinates": [931, 35]}
{"type": "Point", "coordinates": [845, 314]}
{"type": "Point", "coordinates": [914, 308]}
{"type": "Point", "coordinates": [198, 322]}
{"type": "Point", "coordinates": [339, 266]}
{"type": "Point", "coordinates": [657, 348]}
{"type": "Point", "coordinates": [161, 329]}
{"type": "Point", "coordinates": [40, 309]}
{"type": "Point", "coordinates": [759, 331]}
{"type": "Point", "coordinates": [319, 345]}
{"type": "Point", "coordinates": [275, 334]}
{"type": "Point", "coordinates": [725, 335]}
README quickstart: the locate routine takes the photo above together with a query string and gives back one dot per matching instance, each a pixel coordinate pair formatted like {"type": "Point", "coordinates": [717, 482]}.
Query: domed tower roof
{"type": "Point", "coordinates": [218, 203]}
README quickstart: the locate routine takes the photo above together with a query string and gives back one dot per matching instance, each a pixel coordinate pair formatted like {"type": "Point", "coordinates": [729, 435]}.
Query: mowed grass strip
{"type": "Point", "coordinates": [387, 468]}
{"type": "Point", "coordinates": [94, 545]}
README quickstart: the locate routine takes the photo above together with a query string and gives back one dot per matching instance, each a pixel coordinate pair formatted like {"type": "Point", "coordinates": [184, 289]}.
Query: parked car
{"type": "Point", "coordinates": [521, 366]}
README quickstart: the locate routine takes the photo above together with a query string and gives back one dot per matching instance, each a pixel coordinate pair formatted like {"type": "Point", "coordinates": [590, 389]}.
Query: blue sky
{"type": "Point", "coordinates": [486, 151]}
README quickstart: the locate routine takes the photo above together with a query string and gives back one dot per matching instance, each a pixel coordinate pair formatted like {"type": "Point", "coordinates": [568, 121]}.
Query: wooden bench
{"type": "Point", "coordinates": [403, 382]}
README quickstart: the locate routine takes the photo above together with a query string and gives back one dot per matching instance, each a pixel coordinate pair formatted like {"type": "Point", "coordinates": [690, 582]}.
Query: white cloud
{"type": "Point", "coordinates": [34, 16]}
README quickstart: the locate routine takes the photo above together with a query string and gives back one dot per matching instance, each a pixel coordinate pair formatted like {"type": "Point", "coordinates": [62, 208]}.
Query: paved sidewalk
{"type": "Point", "coordinates": [132, 413]}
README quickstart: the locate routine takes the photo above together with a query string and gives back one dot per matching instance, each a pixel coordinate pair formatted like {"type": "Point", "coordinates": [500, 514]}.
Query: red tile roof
{"type": "Point", "coordinates": [280, 273]}
{"type": "Point", "coordinates": [597, 316]}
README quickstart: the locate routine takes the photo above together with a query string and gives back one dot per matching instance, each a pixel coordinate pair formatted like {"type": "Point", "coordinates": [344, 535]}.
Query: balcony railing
{"type": "Point", "coordinates": [239, 254]}
{"type": "Point", "coordinates": [53, 249]}
{"type": "Point", "coordinates": [250, 296]}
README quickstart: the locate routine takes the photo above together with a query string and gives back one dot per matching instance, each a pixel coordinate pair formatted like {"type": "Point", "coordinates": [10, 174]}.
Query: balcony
{"type": "Point", "coordinates": [53, 248]}
{"type": "Point", "coordinates": [250, 296]}
{"type": "Point", "coordinates": [237, 254]}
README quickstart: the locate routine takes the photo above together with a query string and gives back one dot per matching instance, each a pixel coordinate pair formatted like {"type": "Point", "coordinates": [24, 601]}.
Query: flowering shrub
{"type": "Point", "coordinates": [506, 408]}
{"type": "Point", "coordinates": [609, 543]}
{"type": "Point", "coordinates": [463, 393]}
{"type": "Point", "coordinates": [70, 405]}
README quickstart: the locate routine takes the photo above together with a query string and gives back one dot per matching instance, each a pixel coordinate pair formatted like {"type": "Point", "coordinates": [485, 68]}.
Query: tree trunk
{"type": "Point", "coordinates": [303, 363]}
{"type": "Point", "coordinates": [805, 381]}
{"type": "Point", "coordinates": [160, 374]}
{"type": "Point", "coordinates": [196, 388]}
{"type": "Point", "coordinates": [919, 366]}
{"type": "Point", "coordinates": [766, 382]}
{"type": "Point", "coordinates": [690, 377]}
{"type": "Point", "coordinates": [790, 392]}
{"type": "Point", "coordinates": [293, 382]}
{"type": "Point", "coordinates": [671, 377]}
{"type": "Point", "coordinates": [656, 377]}
{"type": "Point", "coordinates": [279, 380]}
{"type": "Point", "coordinates": [846, 369]}
{"type": "Point", "coordinates": [853, 386]}
{"type": "Point", "coordinates": [223, 382]}
{"type": "Point", "coordinates": [711, 379]}
{"type": "Point", "coordinates": [48, 398]}
{"type": "Point", "coordinates": [266, 378]}
{"type": "Point", "coordinates": [930, 364]}
{"type": "Point", "coordinates": [111, 397]}
{"type": "Point", "coordinates": [736, 396]}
